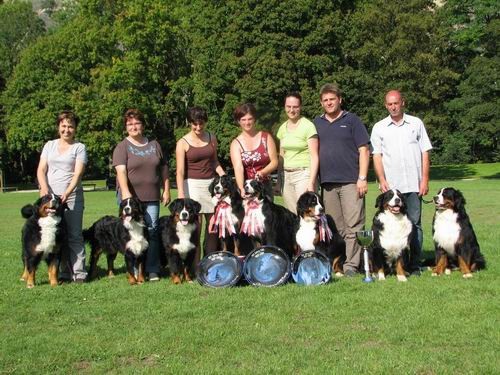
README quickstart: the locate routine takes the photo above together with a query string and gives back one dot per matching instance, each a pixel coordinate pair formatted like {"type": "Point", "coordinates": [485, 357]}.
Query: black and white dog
{"type": "Point", "coordinates": [228, 213]}
{"type": "Point", "coordinates": [43, 236]}
{"type": "Point", "coordinates": [392, 234]}
{"type": "Point", "coordinates": [317, 231]}
{"type": "Point", "coordinates": [180, 238]}
{"type": "Point", "coordinates": [454, 238]}
{"type": "Point", "coordinates": [125, 234]}
{"type": "Point", "coordinates": [267, 223]}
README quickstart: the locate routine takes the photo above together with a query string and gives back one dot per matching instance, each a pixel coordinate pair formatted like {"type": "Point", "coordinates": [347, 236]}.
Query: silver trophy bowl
{"type": "Point", "coordinates": [365, 238]}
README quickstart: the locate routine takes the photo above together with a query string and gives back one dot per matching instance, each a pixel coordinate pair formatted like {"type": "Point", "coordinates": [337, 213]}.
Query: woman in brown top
{"type": "Point", "coordinates": [141, 171]}
{"type": "Point", "coordinates": [197, 165]}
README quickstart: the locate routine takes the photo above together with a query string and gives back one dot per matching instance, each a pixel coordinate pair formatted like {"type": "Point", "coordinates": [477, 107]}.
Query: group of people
{"type": "Point", "coordinates": [333, 150]}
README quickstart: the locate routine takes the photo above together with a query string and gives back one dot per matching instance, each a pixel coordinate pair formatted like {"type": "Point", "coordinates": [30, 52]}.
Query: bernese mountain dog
{"type": "Point", "coordinates": [228, 213]}
{"type": "Point", "coordinates": [317, 231]}
{"type": "Point", "coordinates": [392, 234]}
{"type": "Point", "coordinates": [43, 236]}
{"type": "Point", "coordinates": [267, 223]}
{"type": "Point", "coordinates": [126, 234]}
{"type": "Point", "coordinates": [180, 238]}
{"type": "Point", "coordinates": [454, 238]}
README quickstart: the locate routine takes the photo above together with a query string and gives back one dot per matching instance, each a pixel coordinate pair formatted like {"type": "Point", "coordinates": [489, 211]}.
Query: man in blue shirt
{"type": "Point", "coordinates": [343, 161]}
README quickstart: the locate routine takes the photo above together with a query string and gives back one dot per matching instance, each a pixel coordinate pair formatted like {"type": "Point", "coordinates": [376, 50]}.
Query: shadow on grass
{"type": "Point", "coordinates": [493, 176]}
{"type": "Point", "coordinates": [452, 172]}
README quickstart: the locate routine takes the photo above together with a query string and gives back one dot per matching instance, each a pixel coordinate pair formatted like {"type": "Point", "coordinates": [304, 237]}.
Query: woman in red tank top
{"type": "Point", "coordinates": [197, 165]}
{"type": "Point", "coordinates": [253, 152]}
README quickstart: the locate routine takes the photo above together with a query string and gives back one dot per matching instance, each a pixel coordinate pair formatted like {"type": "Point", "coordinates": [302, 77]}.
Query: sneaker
{"type": "Point", "coordinates": [350, 273]}
{"type": "Point", "coordinates": [153, 276]}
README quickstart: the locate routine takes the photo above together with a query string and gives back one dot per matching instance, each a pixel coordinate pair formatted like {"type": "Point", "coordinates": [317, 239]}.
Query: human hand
{"type": "Point", "coordinates": [383, 186]}
{"type": "Point", "coordinates": [423, 189]}
{"type": "Point", "coordinates": [362, 187]}
{"type": "Point", "coordinates": [165, 197]}
{"type": "Point", "coordinates": [43, 192]}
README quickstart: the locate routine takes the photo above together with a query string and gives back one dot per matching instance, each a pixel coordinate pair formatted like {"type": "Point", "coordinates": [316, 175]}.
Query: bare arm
{"type": "Point", "coordinates": [122, 178]}
{"type": "Point", "coordinates": [77, 176]}
{"type": "Point", "coordinates": [41, 175]}
{"type": "Point", "coordinates": [180, 156]}
{"type": "Point", "coordinates": [313, 146]}
{"type": "Point", "coordinates": [165, 197]}
{"type": "Point", "coordinates": [379, 171]}
{"type": "Point", "coordinates": [218, 168]}
{"type": "Point", "coordinates": [239, 173]}
{"type": "Point", "coordinates": [426, 164]}
{"type": "Point", "coordinates": [273, 155]}
{"type": "Point", "coordinates": [364, 160]}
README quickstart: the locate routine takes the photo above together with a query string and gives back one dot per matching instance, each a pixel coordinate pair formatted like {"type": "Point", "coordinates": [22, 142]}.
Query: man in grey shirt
{"type": "Point", "coordinates": [401, 160]}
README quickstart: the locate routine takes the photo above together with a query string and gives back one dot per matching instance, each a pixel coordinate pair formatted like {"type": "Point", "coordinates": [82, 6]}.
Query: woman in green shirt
{"type": "Point", "coordinates": [298, 152]}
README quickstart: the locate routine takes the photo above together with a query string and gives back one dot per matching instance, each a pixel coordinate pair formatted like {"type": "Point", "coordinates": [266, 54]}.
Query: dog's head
{"type": "Point", "coordinates": [255, 189]}
{"type": "Point", "coordinates": [48, 205]}
{"type": "Point", "coordinates": [222, 187]}
{"type": "Point", "coordinates": [449, 198]}
{"type": "Point", "coordinates": [185, 210]}
{"type": "Point", "coordinates": [131, 209]}
{"type": "Point", "coordinates": [310, 206]}
{"type": "Point", "coordinates": [391, 201]}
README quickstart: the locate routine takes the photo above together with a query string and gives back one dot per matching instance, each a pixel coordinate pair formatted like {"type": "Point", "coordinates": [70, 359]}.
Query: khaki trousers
{"type": "Point", "coordinates": [347, 209]}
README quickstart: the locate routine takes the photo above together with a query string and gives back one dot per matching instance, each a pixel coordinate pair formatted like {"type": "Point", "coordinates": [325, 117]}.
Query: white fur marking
{"type": "Point", "coordinates": [184, 233]}
{"type": "Point", "coordinates": [48, 227]}
{"type": "Point", "coordinates": [137, 243]}
{"type": "Point", "coordinates": [394, 237]}
{"type": "Point", "coordinates": [446, 230]}
{"type": "Point", "coordinates": [306, 234]}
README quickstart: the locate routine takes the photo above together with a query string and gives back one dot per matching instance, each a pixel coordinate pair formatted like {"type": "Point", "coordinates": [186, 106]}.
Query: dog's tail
{"type": "Point", "coordinates": [28, 211]}
{"type": "Point", "coordinates": [479, 261]}
{"type": "Point", "coordinates": [88, 234]}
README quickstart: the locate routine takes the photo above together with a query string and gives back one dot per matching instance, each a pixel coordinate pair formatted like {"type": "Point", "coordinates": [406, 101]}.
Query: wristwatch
{"type": "Point", "coordinates": [362, 178]}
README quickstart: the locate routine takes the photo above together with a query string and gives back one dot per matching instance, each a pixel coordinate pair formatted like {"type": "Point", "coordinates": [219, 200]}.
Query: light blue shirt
{"type": "Point", "coordinates": [401, 147]}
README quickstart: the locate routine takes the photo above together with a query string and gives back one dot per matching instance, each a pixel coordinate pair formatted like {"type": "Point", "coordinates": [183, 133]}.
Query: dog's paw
{"type": "Point", "coordinates": [402, 278]}
{"type": "Point", "coordinates": [467, 275]}
{"type": "Point", "coordinates": [381, 276]}
{"type": "Point", "coordinates": [339, 274]}
{"type": "Point", "coordinates": [447, 271]}
{"type": "Point", "coordinates": [434, 274]}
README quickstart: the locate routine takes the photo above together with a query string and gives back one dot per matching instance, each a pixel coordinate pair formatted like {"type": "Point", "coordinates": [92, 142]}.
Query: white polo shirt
{"type": "Point", "coordinates": [401, 148]}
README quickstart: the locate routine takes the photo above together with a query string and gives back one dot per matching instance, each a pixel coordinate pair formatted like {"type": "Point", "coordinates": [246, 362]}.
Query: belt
{"type": "Point", "coordinates": [294, 169]}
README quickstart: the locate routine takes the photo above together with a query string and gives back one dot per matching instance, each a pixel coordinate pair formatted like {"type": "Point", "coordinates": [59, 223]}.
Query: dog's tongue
{"type": "Point", "coordinates": [218, 195]}
{"type": "Point", "coordinates": [128, 218]}
{"type": "Point", "coordinates": [395, 209]}
{"type": "Point", "coordinates": [184, 222]}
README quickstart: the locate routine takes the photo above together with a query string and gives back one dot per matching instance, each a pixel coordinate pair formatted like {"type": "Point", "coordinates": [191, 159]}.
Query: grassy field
{"type": "Point", "coordinates": [444, 325]}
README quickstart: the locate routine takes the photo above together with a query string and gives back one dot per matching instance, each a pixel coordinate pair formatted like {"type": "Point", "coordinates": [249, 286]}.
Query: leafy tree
{"type": "Point", "coordinates": [112, 56]}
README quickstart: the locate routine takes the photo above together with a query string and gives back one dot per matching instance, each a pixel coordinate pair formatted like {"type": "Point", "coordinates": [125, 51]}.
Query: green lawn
{"type": "Point", "coordinates": [428, 325]}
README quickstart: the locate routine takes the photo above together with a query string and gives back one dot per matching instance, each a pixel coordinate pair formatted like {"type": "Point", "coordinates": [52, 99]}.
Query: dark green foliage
{"type": "Point", "coordinates": [101, 57]}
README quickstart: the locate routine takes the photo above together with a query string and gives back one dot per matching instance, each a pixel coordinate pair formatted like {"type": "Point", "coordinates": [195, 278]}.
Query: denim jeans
{"type": "Point", "coordinates": [151, 213]}
{"type": "Point", "coordinates": [414, 211]}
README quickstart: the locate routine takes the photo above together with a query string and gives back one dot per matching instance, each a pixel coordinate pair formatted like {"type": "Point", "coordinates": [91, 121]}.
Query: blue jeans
{"type": "Point", "coordinates": [414, 206]}
{"type": "Point", "coordinates": [151, 214]}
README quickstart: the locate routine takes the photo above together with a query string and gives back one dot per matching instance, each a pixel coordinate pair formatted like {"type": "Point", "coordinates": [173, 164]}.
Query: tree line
{"type": "Point", "coordinates": [100, 57]}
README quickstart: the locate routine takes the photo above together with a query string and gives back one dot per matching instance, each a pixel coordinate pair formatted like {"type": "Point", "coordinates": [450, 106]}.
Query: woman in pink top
{"type": "Point", "coordinates": [197, 165]}
{"type": "Point", "coordinates": [253, 152]}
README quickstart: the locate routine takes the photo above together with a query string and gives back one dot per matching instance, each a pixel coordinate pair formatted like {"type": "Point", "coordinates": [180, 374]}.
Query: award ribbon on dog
{"type": "Point", "coordinates": [325, 233]}
{"type": "Point", "coordinates": [222, 221]}
{"type": "Point", "coordinates": [253, 223]}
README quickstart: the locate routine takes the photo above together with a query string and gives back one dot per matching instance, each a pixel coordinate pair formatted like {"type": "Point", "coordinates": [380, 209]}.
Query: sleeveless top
{"type": "Point", "coordinates": [255, 160]}
{"type": "Point", "coordinates": [200, 161]}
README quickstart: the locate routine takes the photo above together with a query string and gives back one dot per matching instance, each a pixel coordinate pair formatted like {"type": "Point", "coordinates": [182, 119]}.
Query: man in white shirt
{"type": "Point", "coordinates": [401, 160]}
